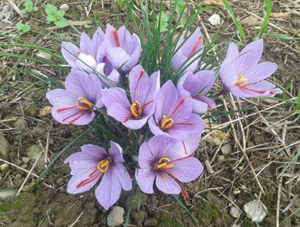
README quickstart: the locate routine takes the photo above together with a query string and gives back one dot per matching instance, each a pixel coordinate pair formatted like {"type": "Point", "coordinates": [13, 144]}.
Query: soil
{"type": "Point", "coordinates": [269, 132]}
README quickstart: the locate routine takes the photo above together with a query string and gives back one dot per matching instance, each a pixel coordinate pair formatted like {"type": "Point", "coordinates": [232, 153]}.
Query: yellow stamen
{"type": "Point", "coordinates": [136, 109]}
{"type": "Point", "coordinates": [83, 100]}
{"type": "Point", "coordinates": [241, 79]}
{"type": "Point", "coordinates": [164, 165]}
{"type": "Point", "coordinates": [103, 164]}
{"type": "Point", "coordinates": [166, 123]}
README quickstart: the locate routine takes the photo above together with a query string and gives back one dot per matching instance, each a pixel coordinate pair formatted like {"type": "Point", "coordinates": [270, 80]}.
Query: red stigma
{"type": "Point", "coordinates": [128, 117]}
{"type": "Point", "coordinates": [195, 47]}
{"type": "Point", "coordinates": [135, 89]}
{"type": "Point", "coordinates": [90, 179]}
{"type": "Point", "coordinates": [104, 59]}
{"type": "Point", "coordinates": [185, 151]}
{"type": "Point", "coordinates": [78, 52]}
{"type": "Point", "coordinates": [183, 192]}
{"type": "Point", "coordinates": [181, 102]}
{"type": "Point", "coordinates": [272, 92]}
{"type": "Point", "coordinates": [115, 34]}
{"type": "Point", "coordinates": [260, 92]}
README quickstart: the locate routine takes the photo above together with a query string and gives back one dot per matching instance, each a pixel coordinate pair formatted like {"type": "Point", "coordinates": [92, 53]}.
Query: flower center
{"type": "Point", "coordinates": [241, 81]}
{"type": "Point", "coordinates": [136, 109]}
{"type": "Point", "coordinates": [166, 123]}
{"type": "Point", "coordinates": [115, 34]}
{"type": "Point", "coordinates": [195, 47]}
{"type": "Point", "coordinates": [103, 165]}
{"type": "Point", "coordinates": [86, 104]}
{"type": "Point", "coordinates": [163, 164]}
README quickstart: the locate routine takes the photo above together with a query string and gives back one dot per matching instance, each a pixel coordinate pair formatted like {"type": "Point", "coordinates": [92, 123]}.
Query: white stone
{"type": "Point", "coordinates": [215, 19]}
{"type": "Point", "coordinates": [42, 54]}
{"type": "Point", "coordinates": [64, 7]}
{"type": "Point", "coordinates": [115, 217]}
{"type": "Point", "coordinates": [226, 149]}
{"type": "Point", "coordinates": [4, 167]}
{"type": "Point", "coordinates": [255, 210]}
{"type": "Point", "coordinates": [235, 212]}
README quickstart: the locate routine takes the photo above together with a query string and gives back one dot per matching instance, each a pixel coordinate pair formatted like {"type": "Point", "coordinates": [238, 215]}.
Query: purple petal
{"type": "Point", "coordinates": [116, 152]}
{"type": "Point", "coordinates": [259, 89]}
{"type": "Point", "coordinates": [125, 40]}
{"type": "Point", "coordinates": [98, 38]}
{"type": "Point", "coordinates": [138, 84]}
{"type": "Point", "coordinates": [145, 179]}
{"type": "Point", "coordinates": [119, 58]}
{"type": "Point", "coordinates": [207, 79]}
{"type": "Point", "coordinates": [135, 124]}
{"type": "Point", "coordinates": [109, 39]}
{"type": "Point", "coordinates": [191, 84]}
{"type": "Point", "coordinates": [123, 176]}
{"type": "Point", "coordinates": [210, 103]}
{"type": "Point", "coordinates": [232, 52]}
{"type": "Point", "coordinates": [178, 60]}
{"type": "Point", "coordinates": [166, 184]}
{"type": "Point", "coordinates": [101, 53]}
{"type": "Point", "coordinates": [228, 74]}
{"type": "Point", "coordinates": [86, 63]}
{"type": "Point", "coordinates": [86, 45]}
{"type": "Point", "coordinates": [63, 97]}
{"type": "Point", "coordinates": [134, 58]}
{"type": "Point", "coordinates": [70, 53]}
{"type": "Point", "coordinates": [192, 42]}
{"type": "Point", "coordinates": [260, 72]}
{"type": "Point", "coordinates": [155, 129]}
{"type": "Point", "coordinates": [109, 190]}
{"type": "Point", "coordinates": [249, 57]}
{"type": "Point", "coordinates": [94, 151]}
{"type": "Point", "coordinates": [199, 107]}
{"type": "Point", "coordinates": [186, 170]}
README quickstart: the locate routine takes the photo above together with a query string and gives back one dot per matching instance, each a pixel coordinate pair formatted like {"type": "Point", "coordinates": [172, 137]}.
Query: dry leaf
{"type": "Point", "coordinates": [283, 16]}
{"type": "Point", "coordinates": [45, 111]}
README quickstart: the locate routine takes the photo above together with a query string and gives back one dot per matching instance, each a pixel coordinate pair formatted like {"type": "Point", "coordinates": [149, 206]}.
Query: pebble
{"type": "Point", "coordinates": [226, 149]}
{"type": "Point", "coordinates": [5, 108]}
{"type": "Point", "coordinates": [215, 19]}
{"type": "Point", "coordinates": [25, 160]}
{"type": "Point", "coordinates": [6, 194]}
{"type": "Point", "coordinates": [64, 7]}
{"type": "Point", "coordinates": [33, 152]}
{"type": "Point", "coordinates": [42, 54]}
{"type": "Point", "coordinates": [151, 222]}
{"type": "Point", "coordinates": [140, 217]}
{"type": "Point", "coordinates": [20, 124]}
{"type": "Point", "coordinates": [4, 167]}
{"type": "Point", "coordinates": [235, 212]}
{"type": "Point", "coordinates": [221, 158]}
{"type": "Point", "coordinates": [4, 147]}
{"type": "Point", "coordinates": [255, 210]}
{"type": "Point", "coordinates": [41, 162]}
{"type": "Point", "coordinates": [115, 217]}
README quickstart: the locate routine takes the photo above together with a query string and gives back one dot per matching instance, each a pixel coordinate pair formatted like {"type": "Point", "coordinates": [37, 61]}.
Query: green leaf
{"type": "Point", "coordinates": [50, 9]}
{"type": "Point", "coordinates": [163, 23]}
{"type": "Point", "coordinates": [19, 26]}
{"type": "Point", "coordinates": [237, 24]}
{"type": "Point", "coordinates": [61, 13]}
{"type": "Point", "coordinates": [51, 18]}
{"type": "Point", "coordinates": [266, 20]}
{"type": "Point", "coordinates": [26, 28]}
{"type": "Point", "coordinates": [280, 36]}
{"type": "Point", "coordinates": [35, 9]}
{"type": "Point", "coordinates": [28, 3]}
{"type": "Point", "coordinates": [24, 11]}
{"type": "Point", "coordinates": [60, 23]}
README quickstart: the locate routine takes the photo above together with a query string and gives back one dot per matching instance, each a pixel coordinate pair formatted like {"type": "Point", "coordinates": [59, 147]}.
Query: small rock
{"type": "Point", "coordinates": [64, 7]}
{"type": "Point", "coordinates": [115, 217]}
{"type": "Point", "coordinates": [221, 158]}
{"type": "Point", "coordinates": [226, 149]}
{"type": "Point", "coordinates": [6, 194]}
{"type": "Point", "coordinates": [4, 147]}
{"type": "Point", "coordinates": [215, 19]}
{"type": "Point", "coordinates": [135, 201]}
{"type": "Point", "coordinates": [151, 222]}
{"type": "Point", "coordinates": [5, 108]}
{"type": "Point", "coordinates": [33, 152]}
{"type": "Point", "coordinates": [235, 212]}
{"type": "Point", "coordinates": [255, 210]}
{"type": "Point", "coordinates": [140, 217]}
{"type": "Point", "coordinates": [60, 180]}
{"type": "Point", "coordinates": [41, 162]}
{"type": "Point", "coordinates": [20, 125]}
{"type": "Point", "coordinates": [25, 160]}
{"type": "Point", "coordinates": [26, 188]}
{"type": "Point", "coordinates": [42, 54]}
{"type": "Point", "coordinates": [4, 167]}
{"type": "Point", "coordinates": [18, 176]}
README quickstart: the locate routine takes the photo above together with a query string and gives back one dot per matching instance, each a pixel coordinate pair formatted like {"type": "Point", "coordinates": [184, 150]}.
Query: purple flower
{"type": "Point", "coordinates": [197, 86]}
{"type": "Point", "coordinates": [173, 114]}
{"type": "Point", "coordinates": [243, 76]}
{"type": "Point", "coordinates": [163, 160]}
{"type": "Point", "coordinates": [74, 105]}
{"type": "Point", "coordinates": [93, 162]}
{"type": "Point", "coordinates": [91, 57]}
{"type": "Point", "coordinates": [189, 47]}
{"type": "Point", "coordinates": [123, 49]}
{"type": "Point", "coordinates": [142, 89]}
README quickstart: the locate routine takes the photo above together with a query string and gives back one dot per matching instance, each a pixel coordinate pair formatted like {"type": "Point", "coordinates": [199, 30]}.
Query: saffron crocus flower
{"type": "Point", "coordinates": [74, 105]}
{"type": "Point", "coordinates": [187, 52]}
{"type": "Point", "coordinates": [243, 76]}
{"type": "Point", "coordinates": [123, 49]}
{"type": "Point", "coordinates": [92, 163]}
{"type": "Point", "coordinates": [133, 114]}
{"type": "Point", "coordinates": [173, 114]}
{"type": "Point", "coordinates": [197, 86]}
{"type": "Point", "coordinates": [161, 159]}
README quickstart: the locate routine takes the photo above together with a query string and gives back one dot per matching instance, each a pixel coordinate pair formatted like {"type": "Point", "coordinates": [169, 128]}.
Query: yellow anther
{"type": "Point", "coordinates": [103, 164]}
{"type": "Point", "coordinates": [164, 165]}
{"type": "Point", "coordinates": [240, 80]}
{"type": "Point", "coordinates": [136, 109]}
{"type": "Point", "coordinates": [166, 123]}
{"type": "Point", "coordinates": [83, 100]}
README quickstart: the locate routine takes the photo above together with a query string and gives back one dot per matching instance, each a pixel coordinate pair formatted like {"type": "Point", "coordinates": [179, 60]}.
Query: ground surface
{"type": "Point", "coordinates": [267, 134]}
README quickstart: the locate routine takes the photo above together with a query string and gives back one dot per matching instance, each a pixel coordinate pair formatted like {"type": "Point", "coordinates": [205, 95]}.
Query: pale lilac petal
{"type": "Point", "coordinates": [155, 129]}
{"type": "Point", "coordinates": [178, 60]}
{"type": "Point", "coordinates": [228, 74]}
{"type": "Point", "coordinates": [63, 97]}
{"type": "Point", "coordinates": [260, 72]}
{"type": "Point", "coordinates": [86, 45]}
{"type": "Point", "coordinates": [249, 57]}
{"type": "Point", "coordinates": [80, 177]}
{"type": "Point", "coordinates": [138, 84]}
{"type": "Point", "coordinates": [207, 79]}
{"type": "Point", "coordinates": [116, 152]}
{"type": "Point", "coordinates": [70, 53]}
{"type": "Point", "coordinates": [134, 58]}
{"type": "Point", "coordinates": [101, 53]}
{"type": "Point", "coordinates": [109, 190]}
{"type": "Point", "coordinates": [123, 176]}
{"type": "Point", "coordinates": [167, 184]}
{"type": "Point", "coordinates": [98, 38]}
{"type": "Point", "coordinates": [199, 107]}
{"type": "Point", "coordinates": [125, 40]}
{"type": "Point", "coordinates": [86, 63]}
{"type": "Point", "coordinates": [186, 170]}
{"type": "Point", "coordinates": [136, 124]}
{"type": "Point", "coordinates": [109, 39]}
{"type": "Point", "coordinates": [189, 45]}
{"type": "Point", "coordinates": [232, 52]}
{"type": "Point", "coordinates": [145, 179]}
{"type": "Point", "coordinates": [192, 84]}
{"type": "Point", "coordinates": [118, 57]}
{"type": "Point", "coordinates": [93, 150]}
{"type": "Point", "coordinates": [259, 89]}
{"type": "Point", "coordinates": [210, 103]}
{"type": "Point", "coordinates": [237, 92]}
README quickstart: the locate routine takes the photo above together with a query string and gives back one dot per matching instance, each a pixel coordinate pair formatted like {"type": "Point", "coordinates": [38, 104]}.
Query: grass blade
{"type": "Point", "coordinates": [266, 20]}
{"type": "Point", "coordinates": [289, 164]}
{"type": "Point", "coordinates": [130, 203]}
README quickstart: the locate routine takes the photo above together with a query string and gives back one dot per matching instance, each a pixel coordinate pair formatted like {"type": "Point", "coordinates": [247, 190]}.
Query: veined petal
{"type": "Point", "coordinates": [109, 39]}
{"type": "Point", "coordinates": [260, 72]}
{"type": "Point", "coordinates": [62, 97]}
{"type": "Point", "coordinates": [259, 89]}
{"type": "Point", "coordinates": [192, 84]}
{"type": "Point", "coordinates": [134, 58]}
{"type": "Point", "coordinates": [232, 52]}
{"type": "Point", "coordinates": [123, 176]}
{"type": "Point", "coordinates": [109, 190]}
{"type": "Point", "coordinates": [228, 74]}
{"type": "Point", "coordinates": [136, 124]}
{"type": "Point", "coordinates": [125, 39]}
{"type": "Point", "coordinates": [145, 179]}
{"type": "Point", "coordinates": [97, 39]}
{"type": "Point", "coordinates": [119, 58]}
{"type": "Point", "coordinates": [70, 53]}
{"type": "Point", "coordinates": [199, 107]}
{"type": "Point", "coordinates": [86, 45]}
{"type": "Point", "coordinates": [138, 84]}
{"type": "Point", "coordinates": [178, 60]}
{"type": "Point", "coordinates": [116, 152]}
{"type": "Point", "coordinates": [94, 151]}
{"type": "Point", "coordinates": [207, 79]}
{"type": "Point", "coordinates": [210, 103]}
{"type": "Point", "coordinates": [167, 184]}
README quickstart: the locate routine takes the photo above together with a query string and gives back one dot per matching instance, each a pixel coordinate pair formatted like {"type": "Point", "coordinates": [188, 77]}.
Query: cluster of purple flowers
{"type": "Point", "coordinates": [170, 111]}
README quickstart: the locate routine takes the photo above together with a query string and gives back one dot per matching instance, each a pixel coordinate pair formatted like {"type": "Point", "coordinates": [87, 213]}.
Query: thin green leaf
{"type": "Point", "coordinates": [292, 214]}
{"type": "Point", "coordinates": [266, 20]}
{"type": "Point", "coordinates": [289, 164]}
{"type": "Point", "coordinates": [130, 203]}
{"type": "Point", "coordinates": [281, 36]}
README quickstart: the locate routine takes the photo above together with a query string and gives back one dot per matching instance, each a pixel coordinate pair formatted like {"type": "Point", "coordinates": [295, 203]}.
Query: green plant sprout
{"type": "Point", "coordinates": [55, 16]}
{"type": "Point", "coordinates": [29, 7]}
{"type": "Point", "coordinates": [162, 21]}
{"type": "Point", "coordinates": [23, 28]}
